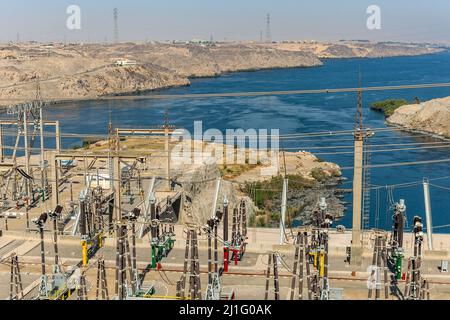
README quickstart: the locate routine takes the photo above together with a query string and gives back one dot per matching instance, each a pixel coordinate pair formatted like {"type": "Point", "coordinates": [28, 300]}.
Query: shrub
{"type": "Point", "coordinates": [388, 106]}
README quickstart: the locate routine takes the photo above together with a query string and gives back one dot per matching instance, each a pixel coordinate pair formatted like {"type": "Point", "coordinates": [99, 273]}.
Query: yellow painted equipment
{"type": "Point", "coordinates": [63, 294]}
{"type": "Point", "coordinates": [89, 247]}
{"type": "Point", "coordinates": [319, 261]}
{"type": "Point", "coordinates": [314, 255]}
{"type": "Point", "coordinates": [322, 263]}
{"type": "Point", "coordinates": [84, 252]}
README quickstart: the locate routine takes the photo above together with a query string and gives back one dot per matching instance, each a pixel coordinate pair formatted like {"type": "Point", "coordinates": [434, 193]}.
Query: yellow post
{"type": "Point", "coordinates": [322, 264]}
{"type": "Point", "coordinates": [314, 254]}
{"type": "Point", "coordinates": [84, 252]}
{"type": "Point", "coordinates": [100, 240]}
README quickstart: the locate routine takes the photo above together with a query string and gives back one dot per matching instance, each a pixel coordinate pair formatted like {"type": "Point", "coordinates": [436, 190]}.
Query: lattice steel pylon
{"type": "Point", "coordinates": [16, 289]}
{"type": "Point", "coordinates": [366, 185]}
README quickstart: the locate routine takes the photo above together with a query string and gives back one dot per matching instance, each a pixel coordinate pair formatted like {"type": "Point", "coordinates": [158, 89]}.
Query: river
{"type": "Point", "coordinates": [303, 114]}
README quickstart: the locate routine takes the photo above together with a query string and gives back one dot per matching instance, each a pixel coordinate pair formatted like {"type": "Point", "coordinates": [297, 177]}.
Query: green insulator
{"type": "Point", "coordinates": [154, 256]}
{"type": "Point", "coordinates": [398, 266]}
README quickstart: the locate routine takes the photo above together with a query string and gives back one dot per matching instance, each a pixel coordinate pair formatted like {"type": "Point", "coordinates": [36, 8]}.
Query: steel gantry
{"type": "Point", "coordinates": [20, 180]}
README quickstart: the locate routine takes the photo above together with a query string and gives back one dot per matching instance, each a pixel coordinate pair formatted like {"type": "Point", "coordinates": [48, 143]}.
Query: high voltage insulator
{"type": "Point", "coordinates": [81, 289]}
{"type": "Point", "coordinates": [317, 264]}
{"type": "Point", "coordinates": [213, 290]}
{"type": "Point", "coordinates": [297, 270]}
{"type": "Point", "coordinates": [396, 240]}
{"type": "Point", "coordinates": [312, 257]}
{"type": "Point", "coordinates": [379, 265]}
{"type": "Point", "coordinates": [416, 287]}
{"type": "Point", "coordinates": [194, 281]}
{"type": "Point", "coordinates": [191, 268]}
{"type": "Point", "coordinates": [16, 289]}
{"type": "Point", "coordinates": [239, 232]}
{"type": "Point", "coordinates": [93, 205]}
{"type": "Point", "coordinates": [121, 263]}
{"type": "Point", "coordinates": [226, 244]}
{"type": "Point", "coordinates": [54, 216]}
{"type": "Point", "coordinates": [43, 289]}
{"type": "Point", "coordinates": [272, 263]}
{"type": "Point", "coordinates": [128, 287]}
{"type": "Point", "coordinates": [102, 284]}
{"type": "Point", "coordinates": [132, 217]}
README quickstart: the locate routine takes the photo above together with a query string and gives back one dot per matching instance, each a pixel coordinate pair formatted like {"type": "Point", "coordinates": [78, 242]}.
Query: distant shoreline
{"type": "Point", "coordinates": [219, 74]}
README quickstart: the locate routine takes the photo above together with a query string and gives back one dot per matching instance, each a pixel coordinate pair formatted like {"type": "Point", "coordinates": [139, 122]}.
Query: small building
{"type": "Point", "coordinates": [125, 62]}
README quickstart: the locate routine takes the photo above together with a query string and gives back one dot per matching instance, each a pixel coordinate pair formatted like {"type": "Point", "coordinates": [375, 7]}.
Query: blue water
{"type": "Point", "coordinates": [302, 114]}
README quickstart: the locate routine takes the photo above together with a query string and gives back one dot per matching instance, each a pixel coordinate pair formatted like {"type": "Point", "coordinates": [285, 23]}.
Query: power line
{"type": "Point", "coordinates": [243, 94]}
{"type": "Point", "coordinates": [248, 135]}
{"type": "Point", "coordinates": [383, 150]}
{"type": "Point", "coordinates": [399, 164]}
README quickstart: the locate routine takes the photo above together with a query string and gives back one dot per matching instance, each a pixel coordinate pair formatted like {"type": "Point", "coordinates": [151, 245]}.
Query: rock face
{"type": "Point", "coordinates": [201, 61]}
{"type": "Point", "coordinates": [198, 194]}
{"type": "Point", "coordinates": [432, 116]}
{"type": "Point", "coordinates": [357, 49]}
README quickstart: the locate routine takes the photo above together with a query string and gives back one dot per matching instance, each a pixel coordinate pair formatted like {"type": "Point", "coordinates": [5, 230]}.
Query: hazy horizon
{"type": "Point", "coordinates": [140, 20]}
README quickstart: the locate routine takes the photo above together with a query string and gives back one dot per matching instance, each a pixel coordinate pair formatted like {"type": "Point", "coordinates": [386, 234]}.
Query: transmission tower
{"type": "Point", "coordinates": [366, 185]}
{"type": "Point", "coordinates": [360, 135]}
{"type": "Point", "coordinates": [116, 25]}
{"type": "Point", "coordinates": [268, 33]}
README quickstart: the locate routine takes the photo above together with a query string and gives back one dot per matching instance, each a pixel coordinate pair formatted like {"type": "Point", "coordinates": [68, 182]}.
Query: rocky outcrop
{"type": "Point", "coordinates": [358, 49]}
{"type": "Point", "coordinates": [199, 187]}
{"type": "Point", "coordinates": [432, 117]}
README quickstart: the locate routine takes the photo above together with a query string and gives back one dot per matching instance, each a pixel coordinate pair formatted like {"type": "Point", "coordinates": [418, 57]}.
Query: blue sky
{"type": "Point", "coordinates": [401, 20]}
